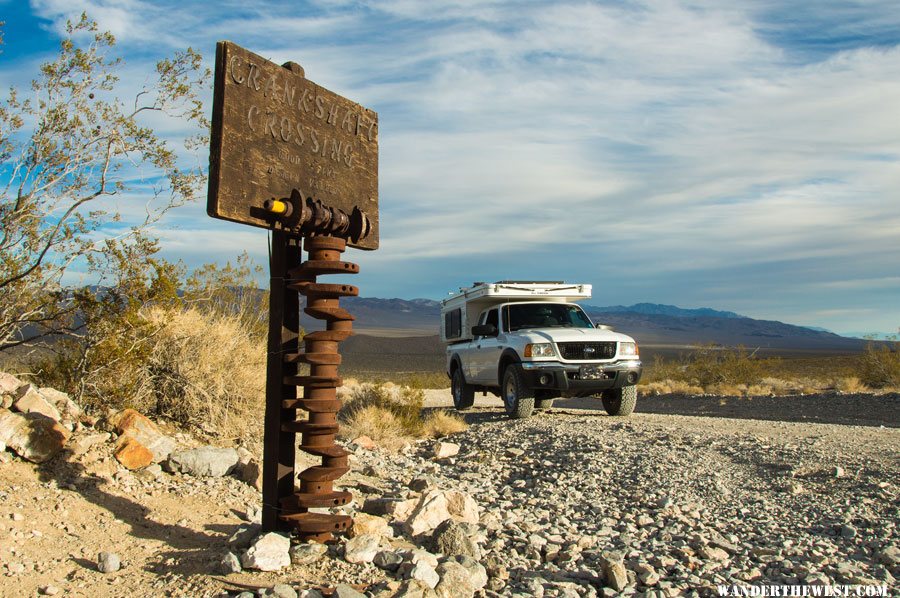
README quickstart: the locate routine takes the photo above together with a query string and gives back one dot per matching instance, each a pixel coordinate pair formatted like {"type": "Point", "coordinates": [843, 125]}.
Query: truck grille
{"type": "Point", "coordinates": [605, 350]}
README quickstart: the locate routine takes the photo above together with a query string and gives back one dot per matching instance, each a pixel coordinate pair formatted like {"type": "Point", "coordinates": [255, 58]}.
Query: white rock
{"type": "Point", "coordinates": [29, 400]}
{"type": "Point", "coordinates": [244, 535]}
{"type": "Point", "coordinates": [253, 514]}
{"type": "Point", "coordinates": [455, 581]}
{"type": "Point", "coordinates": [206, 461]}
{"type": "Point", "coordinates": [108, 562]}
{"type": "Point", "coordinates": [270, 552]}
{"type": "Point", "coordinates": [362, 549]}
{"type": "Point", "coordinates": [478, 576]}
{"type": "Point", "coordinates": [230, 563]}
{"type": "Point", "coordinates": [370, 524]}
{"type": "Point", "coordinates": [424, 572]}
{"type": "Point", "coordinates": [437, 506]}
{"type": "Point", "coordinates": [445, 450]}
{"type": "Point", "coordinates": [9, 384]}
{"type": "Point", "coordinates": [66, 406]}
{"type": "Point", "coordinates": [33, 436]}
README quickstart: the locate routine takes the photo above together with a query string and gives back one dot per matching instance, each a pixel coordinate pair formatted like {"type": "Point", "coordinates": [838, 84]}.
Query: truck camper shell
{"type": "Point", "coordinates": [460, 312]}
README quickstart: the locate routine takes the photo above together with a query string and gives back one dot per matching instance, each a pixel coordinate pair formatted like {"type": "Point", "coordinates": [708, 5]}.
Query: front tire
{"type": "Point", "coordinates": [463, 394]}
{"type": "Point", "coordinates": [620, 401]}
{"type": "Point", "coordinates": [518, 398]}
{"type": "Point", "coordinates": [543, 400]}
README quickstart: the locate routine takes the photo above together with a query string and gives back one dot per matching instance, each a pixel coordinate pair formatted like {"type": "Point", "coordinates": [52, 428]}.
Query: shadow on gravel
{"type": "Point", "coordinates": [855, 410]}
{"type": "Point", "coordinates": [476, 415]}
{"type": "Point", "coordinates": [187, 544]}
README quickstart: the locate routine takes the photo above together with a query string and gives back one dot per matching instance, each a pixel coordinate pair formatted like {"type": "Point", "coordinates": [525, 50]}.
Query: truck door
{"type": "Point", "coordinates": [486, 352]}
{"type": "Point", "coordinates": [470, 353]}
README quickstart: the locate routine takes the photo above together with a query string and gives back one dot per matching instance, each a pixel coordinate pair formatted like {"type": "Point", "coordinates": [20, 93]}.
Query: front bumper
{"type": "Point", "coordinates": [566, 378]}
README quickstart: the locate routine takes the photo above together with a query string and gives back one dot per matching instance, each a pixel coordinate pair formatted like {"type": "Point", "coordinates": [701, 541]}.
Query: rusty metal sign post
{"type": "Point", "coordinates": [292, 157]}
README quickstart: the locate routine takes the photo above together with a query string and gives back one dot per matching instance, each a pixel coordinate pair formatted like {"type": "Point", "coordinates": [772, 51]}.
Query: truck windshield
{"type": "Point", "coordinates": [545, 315]}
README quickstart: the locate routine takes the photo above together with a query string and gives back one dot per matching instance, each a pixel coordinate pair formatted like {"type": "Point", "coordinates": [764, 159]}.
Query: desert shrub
{"type": "Point", "coordinates": [196, 356]}
{"type": "Point", "coordinates": [714, 368]}
{"type": "Point", "coordinates": [423, 380]}
{"type": "Point", "coordinates": [668, 387]}
{"type": "Point", "coordinates": [391, 414]}
{"type": "Point", "coordinates": [726, 389]}
{"type": "Point", "coordinates": [378, 423]}
{"type": "Point", "coordinates": [403, 403]}
{"type": "Point", "coordinates": [663, 370]}
{"type": "Point", "coordinates": [709, 365]}
{"type": "Point", "coordinates": [759, 390]}
{"type": "Point", "coordinates": [880, 365]}
{"type": "Point", "coordinates": [206, 369]}
{"type": "Point", "coordinates": [849, 384]}
{"type": "Point", "coordinates": [440, 423]}
{"type": "Point", "coordinates": [196, 368]}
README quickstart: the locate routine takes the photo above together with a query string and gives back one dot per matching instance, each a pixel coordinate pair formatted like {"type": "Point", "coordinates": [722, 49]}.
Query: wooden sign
{"type": "Point", "coordinates": [274, 130]}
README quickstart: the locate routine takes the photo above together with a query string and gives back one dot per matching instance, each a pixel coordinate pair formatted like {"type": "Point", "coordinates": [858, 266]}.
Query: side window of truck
{"type": "Point", "coordinates": [493, 319]}
{"type": "Point", "coordinates": [489, 317]}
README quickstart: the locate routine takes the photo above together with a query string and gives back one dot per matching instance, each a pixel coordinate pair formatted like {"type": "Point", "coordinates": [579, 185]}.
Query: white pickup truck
{"type": "Point", "coordinates": [529, 343]}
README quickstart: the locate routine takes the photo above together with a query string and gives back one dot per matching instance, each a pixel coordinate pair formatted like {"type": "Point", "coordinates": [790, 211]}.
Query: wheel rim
{"type": "Point", "coordinates": [509, 392]}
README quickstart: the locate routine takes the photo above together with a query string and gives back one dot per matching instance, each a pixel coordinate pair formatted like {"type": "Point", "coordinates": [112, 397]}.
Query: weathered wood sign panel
{"type": "Point", "coordinates": [274, 131]}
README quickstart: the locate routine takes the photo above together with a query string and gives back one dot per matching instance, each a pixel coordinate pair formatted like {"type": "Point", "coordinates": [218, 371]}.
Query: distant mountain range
{"type": "Point", "coordinates": [649, 323]}
{"type": "Point", "coordinates": [658, 309]}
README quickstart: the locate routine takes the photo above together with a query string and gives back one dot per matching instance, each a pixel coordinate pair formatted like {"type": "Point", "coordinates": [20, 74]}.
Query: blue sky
{"type": "Point", "coordinates": [737, 155]}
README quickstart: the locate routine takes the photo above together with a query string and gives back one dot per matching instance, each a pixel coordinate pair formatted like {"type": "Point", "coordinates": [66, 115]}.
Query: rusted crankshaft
{"type": "Point", "coordinates": [319, 391]}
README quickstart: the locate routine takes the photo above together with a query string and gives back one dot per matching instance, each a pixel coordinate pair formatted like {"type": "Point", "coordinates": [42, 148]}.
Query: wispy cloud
{"type": "Point", "coordinates": [677, 151]}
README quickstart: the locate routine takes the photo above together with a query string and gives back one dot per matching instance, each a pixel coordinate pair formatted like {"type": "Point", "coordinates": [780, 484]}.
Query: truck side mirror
{"type": "Point", "coordinates": [484, 330]}
{"type": "Point", "coordinates": [604, 327]}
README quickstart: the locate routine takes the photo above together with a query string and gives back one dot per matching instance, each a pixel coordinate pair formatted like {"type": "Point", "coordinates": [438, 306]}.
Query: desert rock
{"type": "Point", "coordinates": [108, 562]}
{"type": "Point", "coordinates": [445, 450]}
{"type": "Point", "coordinates": [131, 423]}
{"type": "Point", "coordinates": [32, 436]}
{"type": "Point", "coordinates": [437, 506]}
{"type": "Point", "coordinates": [132, 454]}
{"type": "Point", "coordinates": [29, 400]}
{"type": "Point", "coordinates": [362, 549]}
{"type": "Point", "coordinates": [270, 552]}
{"type": "Point", "coordinates": [204, 461]}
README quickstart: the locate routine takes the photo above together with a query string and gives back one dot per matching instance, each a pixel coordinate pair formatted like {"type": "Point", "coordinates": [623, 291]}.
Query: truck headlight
{"type": "Point", "coordinates": [628, 350]}
{"type": "Point", "coordinates": [539, 350]}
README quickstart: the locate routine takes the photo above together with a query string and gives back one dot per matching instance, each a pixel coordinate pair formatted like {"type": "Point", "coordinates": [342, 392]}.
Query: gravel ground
{"type": "Point", "coordinates": [696, 501]}
{"type": "Point", "coordinates": [686, 502]}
